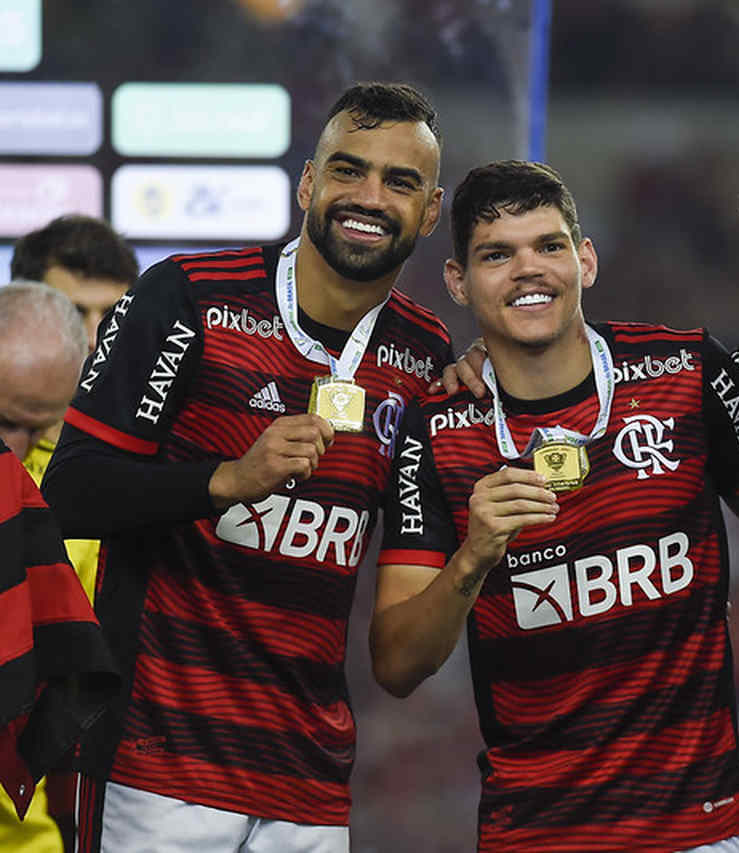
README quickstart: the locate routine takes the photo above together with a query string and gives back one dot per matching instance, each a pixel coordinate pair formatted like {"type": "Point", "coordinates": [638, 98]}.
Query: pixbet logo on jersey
{"type": "Point", "coordinates": [297, 528]}
{"type": "Point", "coordinates": [224, 318]}
{"type": "Point", "coordinates": [405, 361]}
{"type": "Point", "coordinates": [652, 368]}
{"type": "Point", "coordinates": [460, 419]}
{"type": "Point", "coordinates": [546, 597]}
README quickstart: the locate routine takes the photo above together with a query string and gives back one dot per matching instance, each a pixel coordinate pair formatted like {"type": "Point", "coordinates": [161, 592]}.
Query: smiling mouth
{"type": "Point", "coordinates": [362, 232]}
{"type": "Point", "coordinates": [531, 299]}
{"type": "Point", "coordinates": [363, 227]}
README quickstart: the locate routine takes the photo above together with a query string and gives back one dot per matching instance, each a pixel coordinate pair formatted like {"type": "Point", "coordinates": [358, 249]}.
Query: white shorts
{"type": "Point", "coordinates": [728, 845]}
{"type": "Point", "coordinates": [137, 821]}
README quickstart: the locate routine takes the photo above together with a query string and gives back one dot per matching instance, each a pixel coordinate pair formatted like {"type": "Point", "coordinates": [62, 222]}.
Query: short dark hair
{"type": "Point", "coordinates": [372, 103]}
{"type": "Point", "coordinates": [515, 186]}
{"type": "Point", "coordinates": [81, 244]}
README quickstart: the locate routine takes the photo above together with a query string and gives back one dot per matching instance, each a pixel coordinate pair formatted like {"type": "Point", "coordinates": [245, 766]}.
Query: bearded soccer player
{"type": "Point", "coordinates": [231, 442]}
{"type": "Point", "coordinates": [571, 519]}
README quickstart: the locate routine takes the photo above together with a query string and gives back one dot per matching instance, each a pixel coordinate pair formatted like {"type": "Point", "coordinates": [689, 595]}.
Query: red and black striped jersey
{"type": "Point", "coordinates": [56, 672]}
{"type": "Point", "coordinates": [599, 646]}
{"type": "Point", "coordinates": [232, 628]}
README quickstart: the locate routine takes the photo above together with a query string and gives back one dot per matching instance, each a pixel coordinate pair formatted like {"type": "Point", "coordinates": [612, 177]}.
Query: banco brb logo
{"type": "Point", "coordinates": [596, 583]}
{"type": "Point", "coordinates": [297, 528]}
{"type": "Point", "coordinates": [542, 597]}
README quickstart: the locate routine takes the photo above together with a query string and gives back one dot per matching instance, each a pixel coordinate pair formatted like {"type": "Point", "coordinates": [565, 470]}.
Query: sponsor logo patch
{"type": "Point", "coordinates": [460, 419]}
{"type": "Point", "coordinates": [409, 495]}
{"type": "Point", "coordinates": [652, 368]}
{"type": "Point", "coordinates": [405, 360]}
{"type": "Point", "coordinates": [100, 356]}
{"type": "Point", "coordinates": [297, 528]}
{"type": "Point", "coordinates": [546, 596]}
{"type": "Point", "coordinates": [223, 317]}
{"type": "Point", "coordinates": [268, 398]}
{"type": "Point", "coordinates": [165, 372]}
{"type": "Point", "coordinates": [728, 393]}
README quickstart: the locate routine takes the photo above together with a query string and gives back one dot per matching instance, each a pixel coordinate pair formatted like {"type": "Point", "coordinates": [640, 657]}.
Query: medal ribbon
{"type": "Point", "coordinates": [604, 386]}
{"type": "Point", "coordinates": [346, 365]}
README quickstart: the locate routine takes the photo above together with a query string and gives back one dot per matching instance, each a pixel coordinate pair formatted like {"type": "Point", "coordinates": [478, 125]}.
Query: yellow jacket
{"type": "Point", "coordinates": [83, 553]}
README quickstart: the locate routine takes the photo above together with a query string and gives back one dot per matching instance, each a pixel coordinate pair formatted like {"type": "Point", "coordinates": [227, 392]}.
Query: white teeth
{"type": "Point", "coordinates": [363, 226]}
{"type": "Point", "coordinates": [532, 299]}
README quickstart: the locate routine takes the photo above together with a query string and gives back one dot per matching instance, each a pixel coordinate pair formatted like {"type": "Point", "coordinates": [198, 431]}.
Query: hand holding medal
{"type": "Point", "coordinates": [289, 449]}
{"type": "Point", "coordinates": [559, 454]}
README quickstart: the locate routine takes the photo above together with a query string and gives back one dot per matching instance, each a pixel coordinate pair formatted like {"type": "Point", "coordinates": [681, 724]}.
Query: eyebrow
{"type": "Point", "coordinates": [489, 245]}
{"type": "Point", "coordinates": [395, 171]}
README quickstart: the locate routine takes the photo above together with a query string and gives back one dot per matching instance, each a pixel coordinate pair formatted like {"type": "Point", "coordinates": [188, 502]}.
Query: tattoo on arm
{"type": "Point", "coordinates": [467, 586]}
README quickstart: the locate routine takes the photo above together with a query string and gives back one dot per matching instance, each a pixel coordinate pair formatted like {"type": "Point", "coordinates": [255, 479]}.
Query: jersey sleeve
{"type": "Point", "coordinates": [721, 407]}
{"type": "Point", "coordinates": [418, 528]}
{"type": "Point", "coordinates": [147, 350]}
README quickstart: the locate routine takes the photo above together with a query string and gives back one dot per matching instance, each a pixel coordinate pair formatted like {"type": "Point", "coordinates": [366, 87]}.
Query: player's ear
{"type": "Point", "coordinates": [588, 261]}
{"type": "Point", "coordinates": [433, 213]}
{"type": "Point", "coordinates": [305, 185]}
{"type": "Point", "coordinates": [454, 278]}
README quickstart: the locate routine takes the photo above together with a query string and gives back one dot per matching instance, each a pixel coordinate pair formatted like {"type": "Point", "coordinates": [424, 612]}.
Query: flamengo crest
{"type": "Point", "coordinates": [641, 445]}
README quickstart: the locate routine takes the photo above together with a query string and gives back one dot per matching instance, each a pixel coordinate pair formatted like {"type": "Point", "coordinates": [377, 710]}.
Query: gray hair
{"type": "Point", "coordinates": [25, 305]}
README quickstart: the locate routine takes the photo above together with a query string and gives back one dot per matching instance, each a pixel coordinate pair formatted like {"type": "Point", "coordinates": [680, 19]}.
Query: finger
{"type": "Point", "coordinates": [307, 433]}
{"type": "Point", "coordinates": [300, 469]}
{"type": "Point", "coordinates": [303, 450]}
{"type": "Point", "coordinates": [522, 500]}
{"type": "Point", "coordinates": [469, 367]}
{"type": "Point", "coordinates": [509, 475]}
{"type": "Point", "coordinates": [449, 379]}
{"type": "Point", "coordinates": [531, 519]}
{"type": "Point", "coordinates": [469, 372]}
{"type": "Point", "coordinates": [486, 500]}
{"type": "Point", "coordinates": [312, 427]}
{"type": "Point", "coordinates": [327, 430]}
{"type": "Point", "coordinates": [520, 508]}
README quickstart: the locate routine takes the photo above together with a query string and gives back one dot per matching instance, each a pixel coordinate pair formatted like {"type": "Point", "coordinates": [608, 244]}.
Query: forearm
{"type": "Point", "coordinates": [95, 491]}
{"type": "Point", "coordinates": [410, 640]}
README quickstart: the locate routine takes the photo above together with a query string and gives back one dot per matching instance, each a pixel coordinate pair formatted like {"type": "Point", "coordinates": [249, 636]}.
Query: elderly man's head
{"type": "Point", "coordinates": [43, 344]}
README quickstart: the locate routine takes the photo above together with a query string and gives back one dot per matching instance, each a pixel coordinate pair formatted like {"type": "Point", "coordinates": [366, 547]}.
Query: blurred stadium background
{"type": "Point", "coordinates": [636, 102]}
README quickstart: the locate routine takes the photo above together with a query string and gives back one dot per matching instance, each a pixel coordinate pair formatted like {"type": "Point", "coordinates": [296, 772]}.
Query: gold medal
{"type": "Point", "coordinates": [564, 465]}
{"type": "Point", "coordinates": [340, 401]}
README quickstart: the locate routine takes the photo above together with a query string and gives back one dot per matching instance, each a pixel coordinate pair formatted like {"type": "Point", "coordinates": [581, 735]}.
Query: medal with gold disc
{"type": "Point", "coordinates": [558, 453]}
{"type": "Point", "coordinates": [336, 397]}
{"type": "Point", "coordinates": [564, 465]}
{"type": "Point", "coordinates": [340, 401]}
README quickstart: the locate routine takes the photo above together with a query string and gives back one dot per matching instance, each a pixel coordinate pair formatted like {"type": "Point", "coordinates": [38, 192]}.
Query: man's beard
{"type": "Point", "coordinates": [357, 262]}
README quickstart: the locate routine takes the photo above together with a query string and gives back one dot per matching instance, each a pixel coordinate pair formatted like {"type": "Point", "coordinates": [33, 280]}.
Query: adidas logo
{"type": "Point", "coordinates": [268, 398]}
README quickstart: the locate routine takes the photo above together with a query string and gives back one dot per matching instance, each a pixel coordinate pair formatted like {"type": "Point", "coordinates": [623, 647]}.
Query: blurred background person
{"type": "Point", "coordinates": [43, 344]}
{"type": "Point", "coordinates": [93, 265]}
{"type": "Point", "coordinates": [83, 257]}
